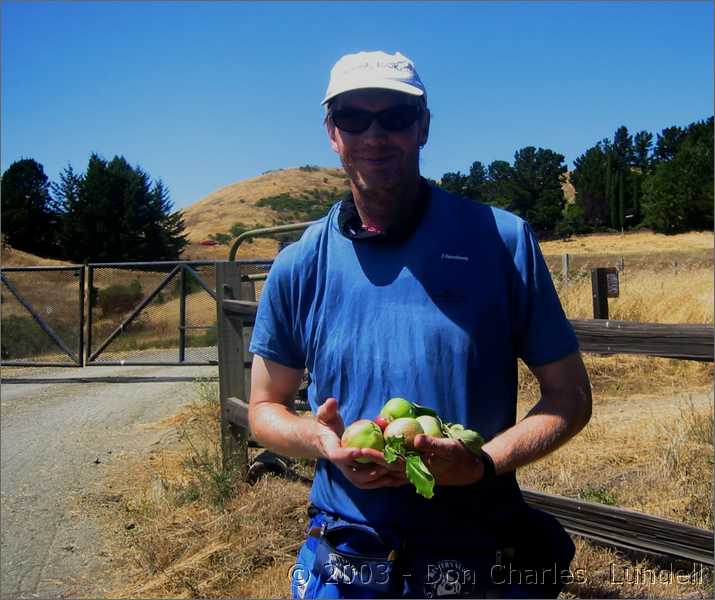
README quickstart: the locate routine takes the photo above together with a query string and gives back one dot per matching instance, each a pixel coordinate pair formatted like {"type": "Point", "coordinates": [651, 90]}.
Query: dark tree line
{"type": "Point", "coordinates": [112, 212]}
{"type": "Point", "coordinates": [620, 184]}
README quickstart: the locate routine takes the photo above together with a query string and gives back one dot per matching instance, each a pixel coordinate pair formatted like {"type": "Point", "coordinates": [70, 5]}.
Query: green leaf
{"type": "Point", "coordinates": [419, 475]}
{"type": "Point", "coordinates": [415, 470]}
{"type": "Point", "coordinates": [423, 410]}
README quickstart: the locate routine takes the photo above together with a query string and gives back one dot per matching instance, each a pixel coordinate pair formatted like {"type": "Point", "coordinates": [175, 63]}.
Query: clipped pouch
{"type": "Point", "coordinates": [454, 575]}
{"type": "Point", "coordinates": [354, 555]}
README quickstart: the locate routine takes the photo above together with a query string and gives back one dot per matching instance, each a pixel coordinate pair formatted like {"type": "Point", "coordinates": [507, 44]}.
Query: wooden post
{"type": "Point", "coordinates": [565, 262]}
{"type": "Point", "coordinates": [247, 291]}
{"type": "Point", "coordinates": [234, 439]}
{"type": "Point", "coordinates": [599, 290]}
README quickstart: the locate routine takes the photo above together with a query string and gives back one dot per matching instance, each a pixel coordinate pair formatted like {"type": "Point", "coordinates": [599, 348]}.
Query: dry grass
{"type": "Point", "coordinates": [192, 530]}
{"type": "Point", "coordinates": [649, 296]}
{"type": "Point", "coordinates": [630, 243]}
{"type": "Point", "coordinates": [198, 533]}
{"type": "Point", "coordinates": [237, 203]}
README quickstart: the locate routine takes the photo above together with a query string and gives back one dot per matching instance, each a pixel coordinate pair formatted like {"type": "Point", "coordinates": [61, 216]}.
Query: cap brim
{"type": "Point", "coordinates": [395, 86]}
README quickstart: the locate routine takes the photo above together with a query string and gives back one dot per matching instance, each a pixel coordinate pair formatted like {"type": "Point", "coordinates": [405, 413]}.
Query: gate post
{"type": "Point", "coordinates": [182, 314]}
{"type": "Point", "coordinates": [90, 309]}
{"type": "Point", "coordinates": [231, 368]}
{"type": "Point", "coordinates": [80, 353]}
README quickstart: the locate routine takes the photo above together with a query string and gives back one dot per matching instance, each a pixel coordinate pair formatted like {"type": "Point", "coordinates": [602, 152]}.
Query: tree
{"type": "Point", "coordinates": [537, 193]}
{"type": "Point", "coordinates": [114, 213]}
{"type": "Point", "coordinates": [678, 194]}
{"type": "Point", "coordinates": [454, 183]}
{"type": "Point", "coordinates": [590, 181]}
{"type": "Point", "coordinates": [499, 185]}
{"type": "Point", "coordinates": [476, 181]}
{"type": "Point", "coordinates": [642, 143]}
{"type": "Point", "coordinates": [622, 147]}
{"type": "Point", "coordinates": [667, 144]}
{"type": "Point", "coordinates": [29, 215]}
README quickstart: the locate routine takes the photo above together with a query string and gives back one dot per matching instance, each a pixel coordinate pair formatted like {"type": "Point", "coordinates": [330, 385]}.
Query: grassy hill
{"type": "Point", "coordinates": [266, 200]}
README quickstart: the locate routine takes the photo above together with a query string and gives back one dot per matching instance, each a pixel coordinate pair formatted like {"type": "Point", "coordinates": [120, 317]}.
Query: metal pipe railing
{"type": "Point", "coordinates": [264, 232]}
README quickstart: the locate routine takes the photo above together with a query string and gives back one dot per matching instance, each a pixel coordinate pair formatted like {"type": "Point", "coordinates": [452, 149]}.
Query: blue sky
{"type": "Point", "coordinates": [205, 94]}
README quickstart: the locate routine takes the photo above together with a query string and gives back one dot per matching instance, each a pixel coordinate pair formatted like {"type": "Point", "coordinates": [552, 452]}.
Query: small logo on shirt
{"type": "Point", "coordinates": [454, 257]}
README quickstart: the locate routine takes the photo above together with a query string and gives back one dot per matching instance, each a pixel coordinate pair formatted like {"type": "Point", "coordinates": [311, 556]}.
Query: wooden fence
{"type": "Point", "coordinates": [621, 528]}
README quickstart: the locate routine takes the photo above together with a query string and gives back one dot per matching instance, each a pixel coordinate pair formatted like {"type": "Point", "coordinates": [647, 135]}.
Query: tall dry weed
{"type": "Point", "coordinates": [648, 296]}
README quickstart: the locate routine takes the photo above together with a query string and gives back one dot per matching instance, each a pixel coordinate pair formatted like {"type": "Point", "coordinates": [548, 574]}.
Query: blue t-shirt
{"type": "Point", "coordinates": [439, 319]}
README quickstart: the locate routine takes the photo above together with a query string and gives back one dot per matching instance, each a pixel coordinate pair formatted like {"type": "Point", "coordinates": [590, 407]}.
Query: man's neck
{"type": "Point", "coordinates": [379, 210]}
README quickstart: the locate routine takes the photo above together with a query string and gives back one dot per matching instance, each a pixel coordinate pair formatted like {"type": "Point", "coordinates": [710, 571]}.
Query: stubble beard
{"type": "Point", "coordinates": [388, 186]}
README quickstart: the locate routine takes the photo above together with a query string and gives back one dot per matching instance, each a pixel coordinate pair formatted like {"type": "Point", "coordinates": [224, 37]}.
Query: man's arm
{"type": "Point", "coordinates": [563, 410]}
{"type": "Point", "coordinates": [276, 425]}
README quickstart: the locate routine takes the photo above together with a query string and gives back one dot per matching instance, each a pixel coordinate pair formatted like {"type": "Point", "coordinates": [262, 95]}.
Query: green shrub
{"type": "Point", "coordinates": [309, 206]}
{"type": "Point", "coordinates": [119, 299]}
{"type": "Point", "coordinates": [309, 168]}
{"type": "Point", "coordinates": [600, 494]}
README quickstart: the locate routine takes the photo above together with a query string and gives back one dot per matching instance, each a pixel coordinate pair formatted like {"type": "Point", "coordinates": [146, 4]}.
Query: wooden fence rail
{"type": "Point", "coordinates": [618, 527]}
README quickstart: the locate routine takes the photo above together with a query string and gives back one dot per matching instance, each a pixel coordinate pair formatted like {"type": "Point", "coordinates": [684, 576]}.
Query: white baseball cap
{"type": "Point", "coordinates": [374, 70]}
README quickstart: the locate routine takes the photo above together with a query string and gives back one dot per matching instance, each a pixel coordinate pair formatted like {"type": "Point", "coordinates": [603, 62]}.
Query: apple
{"type": "Point", "coordinates": [363, 433]}
{"type": "Point", "coordinates": [381, 422]}
{"type": "Point", "coordinates": [431, 426]}
{"type": "Point", "coordinates": [397, 408]}
{"type": "Point", "coordinates": [405, 426]}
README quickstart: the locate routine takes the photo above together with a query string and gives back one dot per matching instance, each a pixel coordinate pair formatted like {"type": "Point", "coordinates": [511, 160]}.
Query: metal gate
{"type": "Point", "coordinates": [143, 313]}
{"type": "Point", "coordinates": [151, 313]}
{"type": "Point", "coordinates": [42, 316]}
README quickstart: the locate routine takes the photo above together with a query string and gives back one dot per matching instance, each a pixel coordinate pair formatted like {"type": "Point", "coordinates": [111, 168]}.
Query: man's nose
{"type": "Point", "coordinates": [375, 131]}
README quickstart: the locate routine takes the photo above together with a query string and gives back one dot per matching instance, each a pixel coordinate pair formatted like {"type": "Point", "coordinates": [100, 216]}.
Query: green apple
{"type": "Point", "coordinates": [363, 434]}
{"type": "Point", "coordinates": [397, 408]}
{"type": "Point", "coordinates": [404, 426]}
{"type": "Point", "coordinates": [432, 426]}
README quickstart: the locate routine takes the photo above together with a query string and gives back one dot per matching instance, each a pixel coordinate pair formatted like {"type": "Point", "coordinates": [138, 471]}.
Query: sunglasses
{"type": "Point", "coordinates": [396, 118]}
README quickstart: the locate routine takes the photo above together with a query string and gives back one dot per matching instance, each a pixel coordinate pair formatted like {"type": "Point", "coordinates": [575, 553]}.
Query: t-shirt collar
{"type": "Point", "coordinates": [351, 225]}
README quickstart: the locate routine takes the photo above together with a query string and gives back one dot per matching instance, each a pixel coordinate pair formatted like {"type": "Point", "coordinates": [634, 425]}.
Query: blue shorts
{"type": "Point", "coordinates": [346, 560]}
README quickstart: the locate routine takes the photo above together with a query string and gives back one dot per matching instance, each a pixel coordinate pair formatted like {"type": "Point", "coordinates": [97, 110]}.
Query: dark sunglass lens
{"type": "Point", "coordinates": [398, 117]}
{"type": "Point", "coordinates": [352, 121]}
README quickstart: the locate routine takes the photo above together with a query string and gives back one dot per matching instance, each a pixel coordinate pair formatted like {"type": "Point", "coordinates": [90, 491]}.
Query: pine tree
{"type": "Point", "coordinates": [114, 213]}
{"type": "Point", "coordinates": [29, 214]}
{"type": "Point", "coordinates": [678, 194]}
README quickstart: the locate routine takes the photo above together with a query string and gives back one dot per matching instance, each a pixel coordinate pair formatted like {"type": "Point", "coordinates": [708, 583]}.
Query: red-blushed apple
{"type": "Point", "coordinates": [363, 434]}
{"type": "Point", "coordinates": [431, 426]}
{"type": "Point", "coordinates": [397, 408]}
{"type": "Point", "coordinates": [381, 422]}
{"type": "Point", "coordinates": [405, 426]}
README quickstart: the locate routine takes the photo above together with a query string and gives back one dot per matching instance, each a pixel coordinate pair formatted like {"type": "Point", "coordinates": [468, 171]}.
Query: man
{"type": "Point", "coordinates": [406, 290]}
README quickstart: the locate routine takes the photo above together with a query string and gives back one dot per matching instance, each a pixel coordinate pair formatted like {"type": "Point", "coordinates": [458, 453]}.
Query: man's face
{"type": "Point", "coordinates": [377, 159]}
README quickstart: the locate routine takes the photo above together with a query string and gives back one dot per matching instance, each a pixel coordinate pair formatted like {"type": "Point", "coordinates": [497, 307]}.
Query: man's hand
{"type": "Point", "coordinates": [366, 476]}
{"type": "Point", "coordinates": [449, 461]}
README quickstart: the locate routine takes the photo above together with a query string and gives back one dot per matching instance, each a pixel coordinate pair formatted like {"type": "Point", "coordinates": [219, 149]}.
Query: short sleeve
{"type": "Point", "coordinates": [542, 332]}
{"type": "Point", "coordinates": [277, 331]}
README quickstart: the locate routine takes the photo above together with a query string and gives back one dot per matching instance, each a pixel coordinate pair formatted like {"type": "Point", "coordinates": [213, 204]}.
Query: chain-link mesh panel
{"type": "Point", "coordinates": [136, 314]}
{"type": "Point", "coordinates": [201, 328]}
{"type": "Point", "coordinates": [53, 295]}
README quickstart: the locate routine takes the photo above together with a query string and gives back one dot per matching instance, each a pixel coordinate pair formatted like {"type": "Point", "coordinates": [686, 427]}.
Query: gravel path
{"type": "Point", "coordinates": [57, 435]}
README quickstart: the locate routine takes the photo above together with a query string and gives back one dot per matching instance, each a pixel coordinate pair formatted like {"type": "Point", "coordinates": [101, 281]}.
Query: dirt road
{"type": "Point", "coordinates": [58, 434]}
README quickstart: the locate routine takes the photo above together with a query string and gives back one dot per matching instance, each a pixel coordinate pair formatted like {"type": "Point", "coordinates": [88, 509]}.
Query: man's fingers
{"type": "Point", "coordinates": [329, 415]}
{"type": "Point", "coordinates": [438, 446]}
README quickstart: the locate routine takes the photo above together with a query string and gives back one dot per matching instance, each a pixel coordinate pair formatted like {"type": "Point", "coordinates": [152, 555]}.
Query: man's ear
{"type": "Point", "coordinates": [424, 128]}
{"type": "Point", "coordinates": [330, 128]}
